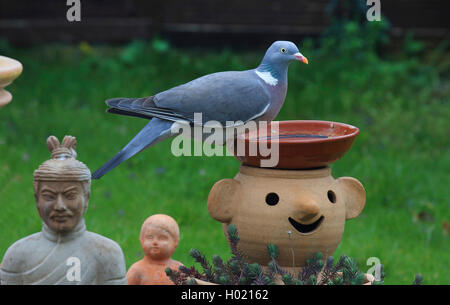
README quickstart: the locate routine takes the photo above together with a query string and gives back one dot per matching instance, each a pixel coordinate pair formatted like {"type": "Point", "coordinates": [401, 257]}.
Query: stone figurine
{"type": "Point", "coordinates": [159, 238]}
{"type": "Point", "coordinates": [64, 252]}
{"type": "Point", "coordinates": [300, 211]}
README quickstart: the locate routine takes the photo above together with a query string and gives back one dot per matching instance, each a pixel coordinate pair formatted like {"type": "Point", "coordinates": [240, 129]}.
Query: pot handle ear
{"type": "Point", "coordinates": [223, 198]}
{"type": "Point", "coordinates": [355, 196]}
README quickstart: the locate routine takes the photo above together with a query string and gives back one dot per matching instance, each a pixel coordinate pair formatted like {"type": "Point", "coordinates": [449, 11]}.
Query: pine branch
{"type": "Point", "coordinates": [176, 277]}
{"type": "Point", "coordinates": [312, 268]}
{"type": "Point", "coordinates": [418, 279]}
{"type": "Point", "coordinates": [201, 259]}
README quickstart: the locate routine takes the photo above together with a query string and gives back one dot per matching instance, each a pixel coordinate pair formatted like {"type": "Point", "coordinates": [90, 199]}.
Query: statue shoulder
{"type": "Point", "coordinates": [109, 256]}
{"type": "Point", "coordinates": [108, 248]}
{"type": "Point", "coordinates": [20, 252]}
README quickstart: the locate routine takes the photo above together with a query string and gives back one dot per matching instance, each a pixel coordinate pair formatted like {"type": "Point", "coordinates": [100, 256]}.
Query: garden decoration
{"type": "Point", "coordinates": [301, 144]}
{"type": "Point", "coordinates": [159, 238]}
{"type": "Point", "coordinates": [64, 252]}
{"type": "Point", "coordinates": [10, 69]}
{"type": "Point", "coordinates": [301, 211]}
{"type": "Point", "coordinates": [223, 97]}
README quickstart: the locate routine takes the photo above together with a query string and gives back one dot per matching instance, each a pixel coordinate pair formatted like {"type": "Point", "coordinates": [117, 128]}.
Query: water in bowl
{"type": "Point", "coordinates": [295, 136]}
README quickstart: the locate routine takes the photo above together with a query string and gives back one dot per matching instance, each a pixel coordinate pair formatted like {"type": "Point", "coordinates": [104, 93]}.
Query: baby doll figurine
{"type": "Point", "coordinates": [159, 238]}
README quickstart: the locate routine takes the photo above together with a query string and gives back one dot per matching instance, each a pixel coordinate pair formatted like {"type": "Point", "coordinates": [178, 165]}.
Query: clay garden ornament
{"type": "Point", "coordinates": [10, 69]}
{"type": "Point", "coordinates": [301, 144]}
{"type": "Point", "coordinates": [300, 211]}
{"type": "Point", "coordinates": [64, 252]}
{"type": "Point", "coordinates": [227, 98]}
{"type": "Point", "coordinates": [159, 238]}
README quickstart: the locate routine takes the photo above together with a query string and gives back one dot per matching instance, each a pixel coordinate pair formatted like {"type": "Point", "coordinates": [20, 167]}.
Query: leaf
{"type": "Point", "coordinates": [358, 279]}
{"type": "Point", "coordinates": [160, 45]}
{"type": "Point", "coordinates": [418, 279]}
{"type": "Point", "coordinates": [273, 251]}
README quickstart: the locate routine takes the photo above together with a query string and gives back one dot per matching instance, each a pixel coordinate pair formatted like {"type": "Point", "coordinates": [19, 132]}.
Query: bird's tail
{"type": "Point", "coordinates": [154, 132]}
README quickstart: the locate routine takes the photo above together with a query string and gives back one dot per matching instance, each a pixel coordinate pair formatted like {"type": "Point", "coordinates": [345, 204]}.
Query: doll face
{"type": "Point", "coordinates": [61, 205]}
{"type": "Point", "coordinates": [157, 243]}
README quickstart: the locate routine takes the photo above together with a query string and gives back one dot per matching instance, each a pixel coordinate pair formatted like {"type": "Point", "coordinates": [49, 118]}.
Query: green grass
{"type": "Point", "coordinates": [401, 155]}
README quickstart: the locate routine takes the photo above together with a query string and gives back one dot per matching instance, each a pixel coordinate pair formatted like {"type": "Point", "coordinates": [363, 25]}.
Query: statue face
{"type": "Point", "coordinates": [61, 205]}
{"type": "Point", "coordinates": [157, 243]}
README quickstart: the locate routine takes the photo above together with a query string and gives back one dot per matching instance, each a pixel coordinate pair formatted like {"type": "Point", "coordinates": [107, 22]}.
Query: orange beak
{"type": "Point", "coordinates": [299, 56]}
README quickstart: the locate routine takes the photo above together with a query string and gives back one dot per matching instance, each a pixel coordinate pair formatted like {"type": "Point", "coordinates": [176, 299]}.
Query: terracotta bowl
{"type": "Point", "coordinates": [302, 144]}
{"type": "Point", "coordinates": [10, 69]}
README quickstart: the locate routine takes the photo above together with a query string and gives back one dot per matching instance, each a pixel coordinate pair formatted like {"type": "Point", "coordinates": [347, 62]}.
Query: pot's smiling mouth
{"type": "Point", "coordinates": [306, 228]}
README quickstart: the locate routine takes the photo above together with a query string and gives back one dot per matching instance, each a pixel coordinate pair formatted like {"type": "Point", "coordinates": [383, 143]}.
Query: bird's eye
{"type": "Point", "coordinates": [283, 50]}
{"type": "Point", "coordinates": [272, 199]}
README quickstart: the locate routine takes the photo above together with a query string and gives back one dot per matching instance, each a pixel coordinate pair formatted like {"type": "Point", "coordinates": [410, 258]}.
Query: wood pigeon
{"type": "Point", "coordinates": [256, 94]}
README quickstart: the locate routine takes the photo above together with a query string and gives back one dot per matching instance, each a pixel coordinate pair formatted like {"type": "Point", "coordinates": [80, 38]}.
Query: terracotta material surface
{"type": "Point", "coordinates": [300, 211]}
{"type": "Point", "coordinates": [302, 144]}
{"type": "Point", "coordinates": [64, 252]}
{"type": "Point", "coordinates": [10, 69]}
{"type": "Point", "coordinates": [159, 238]}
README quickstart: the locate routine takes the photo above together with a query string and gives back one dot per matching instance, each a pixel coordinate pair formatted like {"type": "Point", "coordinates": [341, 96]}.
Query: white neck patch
{"type": "Point", "coordinates": [267, 77]}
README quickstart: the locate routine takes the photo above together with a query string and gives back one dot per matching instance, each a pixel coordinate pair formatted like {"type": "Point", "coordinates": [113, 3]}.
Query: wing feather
{"type": "Point", "coordinates": [223, 96]}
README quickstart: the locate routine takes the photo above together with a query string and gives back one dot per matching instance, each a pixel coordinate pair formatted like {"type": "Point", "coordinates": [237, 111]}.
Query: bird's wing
{"type": "Point", "coordinates": [222, 97]}
{"type": "Point", "coordinates": [141, 107]}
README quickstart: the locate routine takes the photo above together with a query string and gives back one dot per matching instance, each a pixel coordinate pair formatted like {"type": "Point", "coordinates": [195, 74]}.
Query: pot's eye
{"type": "Point", "coordinates": [272, 199]}
{"type": "Point", "coordinates": [331, 196]}
{"type": "Point", "coordinates": [283, 50]}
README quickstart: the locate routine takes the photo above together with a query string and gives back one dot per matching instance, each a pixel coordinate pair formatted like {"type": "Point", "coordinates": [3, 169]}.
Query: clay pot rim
{"type": "Point", "coordinates": [355, 131]}
{"type": "Point", "coordinates": [10, 69]}
{"type": "Point", "coordinates": [318, 172]}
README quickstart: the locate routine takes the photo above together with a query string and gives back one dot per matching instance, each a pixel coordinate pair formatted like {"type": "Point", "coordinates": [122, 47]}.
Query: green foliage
{"type": "Point", "coordinates": [160, 45]}
{"type": "Point", "coordinates": [233, 234]}
{"type": "Point", "coordinates": [418, 279]}
{"type": "Point", "coordinates": [272, 250]}
{"type": "Point", "coordinates": [133, 52]}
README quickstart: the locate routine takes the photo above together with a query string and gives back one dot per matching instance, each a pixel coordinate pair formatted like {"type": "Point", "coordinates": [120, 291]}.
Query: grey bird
{"type": "Point", "coordinates": [256, 94]}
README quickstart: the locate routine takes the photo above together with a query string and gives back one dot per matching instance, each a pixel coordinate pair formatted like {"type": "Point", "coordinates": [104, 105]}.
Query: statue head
{"type": "Point", "coordinates": [62, 186]}
{"type": "Point", "coordinates": [159, 236]}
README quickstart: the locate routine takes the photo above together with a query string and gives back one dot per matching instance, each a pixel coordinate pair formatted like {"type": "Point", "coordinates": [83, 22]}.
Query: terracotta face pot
{"type": "Point", "coordinates": [10, 69]}
{"type": "Point", "coordinates": [300, 211]}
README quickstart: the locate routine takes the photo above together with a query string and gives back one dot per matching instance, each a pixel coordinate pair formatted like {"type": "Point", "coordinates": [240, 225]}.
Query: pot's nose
{"type": "Point", "coordinates": [305, 209]}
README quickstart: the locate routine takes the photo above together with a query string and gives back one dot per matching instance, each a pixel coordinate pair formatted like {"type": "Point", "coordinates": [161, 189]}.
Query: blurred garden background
{"type": "Point", "coordinates": [387, 78]}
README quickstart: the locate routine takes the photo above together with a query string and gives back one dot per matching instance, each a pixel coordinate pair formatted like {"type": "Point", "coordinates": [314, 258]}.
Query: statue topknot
{"type": "Point", "coordinates": [63, 166]}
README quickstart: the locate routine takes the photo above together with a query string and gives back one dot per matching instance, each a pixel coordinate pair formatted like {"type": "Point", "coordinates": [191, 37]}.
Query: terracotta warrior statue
{"type": "Point", "coordinates": [159, 238]}
{"type": "Point", "coordinates": [63, 252]}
